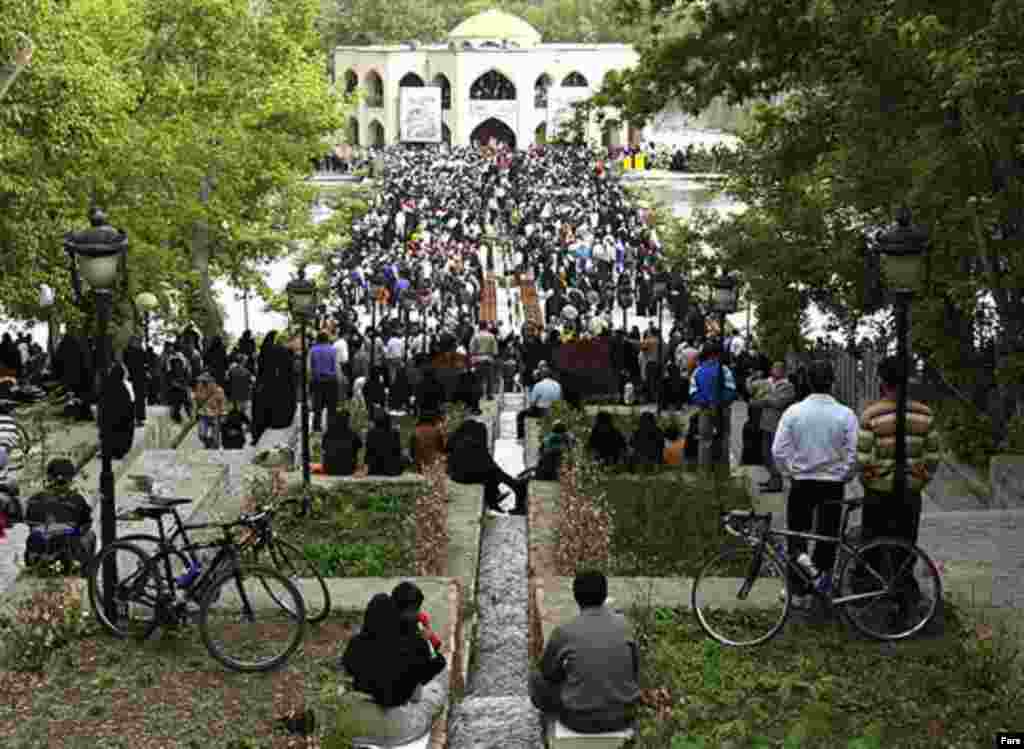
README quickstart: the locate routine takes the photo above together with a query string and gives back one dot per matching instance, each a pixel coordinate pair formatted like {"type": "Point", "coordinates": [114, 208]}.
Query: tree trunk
{"type": "Point", "coordinates": [211, 323]}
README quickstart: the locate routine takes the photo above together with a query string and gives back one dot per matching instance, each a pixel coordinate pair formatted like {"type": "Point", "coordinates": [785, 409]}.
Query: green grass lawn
{"type": "Point", "coordinates": [819, 685]}
{"type": "Point", "coordinates": [103, 693]}
{"type": "Point", "coordinates": [357, 530]}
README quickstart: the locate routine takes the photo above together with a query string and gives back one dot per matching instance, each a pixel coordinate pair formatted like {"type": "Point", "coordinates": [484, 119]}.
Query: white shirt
{"type": "Point", "coordinates": [396, 347]}
{"type": "Point", "coordinates": [341, 352]}
{"type": "Point", "coordinates": [816, 440]}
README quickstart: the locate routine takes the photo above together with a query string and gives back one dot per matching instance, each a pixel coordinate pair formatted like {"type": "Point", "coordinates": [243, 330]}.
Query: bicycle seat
{"type": "Point", "coordinates": [157, 510]}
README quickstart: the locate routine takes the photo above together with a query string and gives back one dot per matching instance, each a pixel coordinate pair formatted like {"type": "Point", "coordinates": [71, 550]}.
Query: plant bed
{"type": "Point", "coordinates": [356, 530]}
{"type": "Point", "coordinates": [817, 686]}
{"type": "Point", "coordinates": [103, 692]}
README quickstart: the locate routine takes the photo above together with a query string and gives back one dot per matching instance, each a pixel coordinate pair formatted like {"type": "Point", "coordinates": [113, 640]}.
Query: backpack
{"type": "Point", "coordinates": [232, 431]}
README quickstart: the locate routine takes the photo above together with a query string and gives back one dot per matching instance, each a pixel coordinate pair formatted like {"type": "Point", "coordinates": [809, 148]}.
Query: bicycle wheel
{"type": "Point", "coordinates": [136, 592]}
{"type": "Point", "coordinates": [740, 600]}
{"type": "Point", "coordinates": [243, 627]}
{"type": "Point", "coordinates": [289, 560]}
{"type": "Point", "coordinates": [899, 588]}
{"type": "Point", "coordinates": [151, 546]}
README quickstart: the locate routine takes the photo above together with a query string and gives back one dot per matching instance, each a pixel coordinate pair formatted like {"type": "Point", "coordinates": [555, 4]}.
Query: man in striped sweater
{"type": "Point", "coordinates": [884, 513]}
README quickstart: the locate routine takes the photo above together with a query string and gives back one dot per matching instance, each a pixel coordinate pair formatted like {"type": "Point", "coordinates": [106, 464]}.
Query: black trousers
{"type": "Point", "coordinates": [531, 412]}
{"type": "Point", "coordinates": [325, 395]}
{"type": "Point", "coordinates": [141, 388]}
{"type": "Point", "coordinates": [885, 516]}
{"type": "Point", "coordinates": [491, 476]}
{"type": "Point", "coordinates": [546, 696]}
{"type": "Point", "coordinates": [804, 498]}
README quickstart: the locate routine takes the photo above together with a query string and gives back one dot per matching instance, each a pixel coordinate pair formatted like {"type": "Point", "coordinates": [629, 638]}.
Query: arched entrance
{"type": "Point", "coordinates": [493, 128]}
{"type": "Point", "coordinates": [353, 131]}
{"type": "Point", "coordinates": [374, 90]}
{"type": "Point", "coordinates": [410, 80]}
{"type": "Point", "coordinates": [441, 80]}
{"type": "Point", "coordinates": [376, 134]}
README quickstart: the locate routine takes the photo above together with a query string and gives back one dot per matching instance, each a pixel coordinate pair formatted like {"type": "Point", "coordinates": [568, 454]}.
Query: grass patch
{"type": "Point", "coordinates": [357, 530]}
{"type": "Point", "coordinates": [105, 693]}
{"type": "Point", "coordinates": [818, 685]}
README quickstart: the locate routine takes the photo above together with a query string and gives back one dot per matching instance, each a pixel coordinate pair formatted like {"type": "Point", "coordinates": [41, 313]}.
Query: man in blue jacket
{"type": "Point", "coordinates": [323, 368]}
{"type": "Point", "coordinates": [711, 386]}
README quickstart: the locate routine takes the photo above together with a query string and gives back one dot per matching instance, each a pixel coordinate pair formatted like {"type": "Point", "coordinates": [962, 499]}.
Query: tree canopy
{"type": "Point", "coordinates": [191, 123]}
{"type": "Point", "coordinates": [874, 105]}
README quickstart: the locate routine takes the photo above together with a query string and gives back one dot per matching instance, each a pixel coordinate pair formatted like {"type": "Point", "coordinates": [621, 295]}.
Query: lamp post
{"type": "Point", "coordinates": [146, 302]}
{"type": "Point", "coordinates": [725, 303]}
{"type": "Point", "coordinates": [96, 255]}
{"type": "Point", "coordinates": [902, 252]}
{"type": "Point", "coordinates": [660, 288]}
{"type": "Point", "coordinates": [625, 294]}
{"type": "Point", "coordinates": [377, 288]}
{"type": "Point", "coordinates": [302, 305]}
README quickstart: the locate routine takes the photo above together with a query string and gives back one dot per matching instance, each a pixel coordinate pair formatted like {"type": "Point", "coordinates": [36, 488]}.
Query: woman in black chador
{"type": "Point", "coordinates": [117, 414]}
{"type": "Point", "coordinates": [274, 401]}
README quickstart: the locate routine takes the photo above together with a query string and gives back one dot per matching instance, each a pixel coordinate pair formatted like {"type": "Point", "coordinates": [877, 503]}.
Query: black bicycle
{"type": "Point", "coordinates": [251, 618]}
{"type": "Point", "coordinates": [887, 589]}
{"type": "Point", "coordinates": [259, 540]}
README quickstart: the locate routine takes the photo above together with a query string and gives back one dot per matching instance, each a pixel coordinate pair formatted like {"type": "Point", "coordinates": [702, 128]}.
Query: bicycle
{"type": "Point", "coordinates": [148, 594]}
{"type": "Point", "coordinates": [887, 588]}
{"type": "Point", "coordinates": [284, 556]}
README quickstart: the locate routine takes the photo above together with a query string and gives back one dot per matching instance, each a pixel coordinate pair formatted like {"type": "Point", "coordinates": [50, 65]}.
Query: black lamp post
{"type": "Point", "coordinates": [96, 255]}
{"type": "Point", "coordinates": [377, 288]}
{"type": "Point", "coordinates": [302, 305]}
{"type": "Point", "coordinates": [659, 289]}
{"type": "Point", "coordinates": [726, 301]}
{"type": "Point", "coordinates": [902, 251]}
{"type": "Point", "coordinates": [625, 294]}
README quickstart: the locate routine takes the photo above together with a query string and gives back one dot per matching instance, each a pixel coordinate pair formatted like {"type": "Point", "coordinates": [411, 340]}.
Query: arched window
{"type": "Point", "coordinates": [540, 91]}
{"type": "Point", "coordinates": [376, 134]}
{"type": "Point", "coordinates": [353, 131]}
{"type": "Point", "coordinates": [441, 80]}
{"type": "Point", "coordinates": [374, 90]}
{"type": "Point", "coordinates": [351, 81]}
{"type": "Point", "coordinates": [490, 45]}
{"type": "Point", "coordinates": [574, 80]}
{"type": "Point", "coordinates": [411, 80]}
{"type": "Point", "coordinates": [492, 86]}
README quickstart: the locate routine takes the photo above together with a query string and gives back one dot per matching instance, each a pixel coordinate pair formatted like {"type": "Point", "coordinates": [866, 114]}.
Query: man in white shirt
{"type": "Point", "coordinates": [542, 396]}
{"type": "Point", "coordinates": [394, 352]}
{"type": "Point", "coordinates": [341, 361]}
{"type": "Point", "coordinates": [816, 446]}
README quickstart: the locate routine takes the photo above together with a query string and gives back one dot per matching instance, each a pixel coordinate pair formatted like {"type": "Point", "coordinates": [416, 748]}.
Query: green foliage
{"type": "Point", "coordinates": [843, 692]}
{"type": "Point", "coordinates": [843, 140]}
{"type": "Point", "coordinates": [351, 560]}
{"type": "Point", "coordinates": [50, 619]}
{"type": "Point", "coordinates": [968, 433]}
{"type": "Point", "coordinates": [135, 104]}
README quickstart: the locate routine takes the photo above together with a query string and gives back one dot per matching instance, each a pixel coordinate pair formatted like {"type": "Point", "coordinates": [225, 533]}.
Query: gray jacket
{"type": "Point", "coordinates": [595, 660]}
{"type": "Point", "coordinates": [781, 397]}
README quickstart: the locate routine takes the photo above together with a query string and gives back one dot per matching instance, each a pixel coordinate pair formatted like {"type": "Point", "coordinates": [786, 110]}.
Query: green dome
{"type": "Point", "coordinates": [495, 25]}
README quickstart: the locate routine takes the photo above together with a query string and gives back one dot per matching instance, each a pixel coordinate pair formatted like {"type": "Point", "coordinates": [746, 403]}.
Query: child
{"type": "Point", "coordinates": [210, 402]}
{"type": "Point", "coordinates": [408, 598]}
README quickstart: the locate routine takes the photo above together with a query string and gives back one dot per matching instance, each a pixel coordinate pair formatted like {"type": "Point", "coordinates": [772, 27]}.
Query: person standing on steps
{"type": "Point", "coordinates": [483, 350]}
{"type": "Point", "coordinates": [323, 368]}
{"type": "Point", "coordinates": [886, 514]}
{"type": "Point", "coordinates": [776, 395]}
{"type": "Point", "coordinates": [590, 671]}
{"type": "Point", "coordinates": [713, 386]}
{"type": "Point", "coordinates": [816, 446]}
{"type": "Point", "coordinates": [542, 396]}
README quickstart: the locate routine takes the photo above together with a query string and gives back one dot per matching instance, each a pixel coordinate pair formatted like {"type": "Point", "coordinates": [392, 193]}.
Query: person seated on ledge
{"type": "Point", "coordinates": [340, 448]}
{"type": "Point", "coordinates": [648, 443]}
{"type": "Point", "coordinates": [383, 447]}
{"type": "Point", "coordinates": [589, 675]}
{"type": "Point", "coordinates": [60, 503]}
{"type": "Point", "coordinates": [606, 442]}
{"type": "Point", "coordinates": [375, 389]}
{"type": "Point", "coordinates": [470, 462]}
{"type": "Point", "coordinates": [430, 394]}
{"type": "Point", "coordinates": [411, 620]}
{"type": "Point", "coordinates": [428, 441]}
{"type": "Point", "coordinates": [676, 447]}
{"type": "Point", "coordinates": [553, 446]}
{"type": "Point", "coordinates": [388, 667]}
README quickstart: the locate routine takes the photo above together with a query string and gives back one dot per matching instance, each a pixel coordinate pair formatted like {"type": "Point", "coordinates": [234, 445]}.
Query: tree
{"type": "Point", "coordinates": [873, 105]}
{"type": "Point", "coordinates": [193, 123]}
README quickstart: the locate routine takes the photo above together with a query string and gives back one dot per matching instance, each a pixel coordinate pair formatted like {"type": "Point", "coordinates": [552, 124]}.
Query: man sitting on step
{"type": "Point", "coordinates": [589, 677]}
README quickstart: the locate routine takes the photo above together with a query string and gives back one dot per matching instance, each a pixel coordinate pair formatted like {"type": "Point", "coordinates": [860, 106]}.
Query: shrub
{"type": "Point", "coordinates": [968, 433]}
{"type": "Point", "coordinates": [50, 619]}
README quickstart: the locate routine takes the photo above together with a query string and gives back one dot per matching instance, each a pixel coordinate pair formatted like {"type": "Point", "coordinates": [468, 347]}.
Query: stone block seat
{"type": "Point", "coordinates": [561, 737]}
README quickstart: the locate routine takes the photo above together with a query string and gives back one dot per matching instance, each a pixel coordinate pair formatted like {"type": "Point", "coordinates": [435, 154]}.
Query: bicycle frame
{"type": "Point", "coordinates": [802, 574]}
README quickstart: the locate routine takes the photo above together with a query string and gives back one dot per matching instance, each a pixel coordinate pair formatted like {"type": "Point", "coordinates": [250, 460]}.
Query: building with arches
{"type": "Point", "coordinates": [497, 79]}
